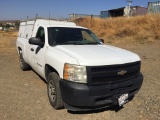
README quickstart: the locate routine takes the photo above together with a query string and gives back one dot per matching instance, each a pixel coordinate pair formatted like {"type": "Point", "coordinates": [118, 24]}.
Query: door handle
{"type": "Point", "coordinates": [32, 49]}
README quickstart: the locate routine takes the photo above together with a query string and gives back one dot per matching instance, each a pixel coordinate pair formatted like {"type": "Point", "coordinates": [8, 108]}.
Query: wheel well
{"type": "Point", "coordinates": [49, 69]}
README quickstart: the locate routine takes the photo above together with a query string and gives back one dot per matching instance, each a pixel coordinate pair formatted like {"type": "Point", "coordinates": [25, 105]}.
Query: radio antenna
{"type": "Point", "coordinates": [49, 19]}
{"type": "Point", "coordinates": [36, 16]}
{"type": "Point", "coordinates": [27, 20]}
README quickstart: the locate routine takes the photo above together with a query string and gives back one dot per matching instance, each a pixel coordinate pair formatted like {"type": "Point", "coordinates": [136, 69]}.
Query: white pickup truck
{"type": "Point", "coordinates": [81, 72]}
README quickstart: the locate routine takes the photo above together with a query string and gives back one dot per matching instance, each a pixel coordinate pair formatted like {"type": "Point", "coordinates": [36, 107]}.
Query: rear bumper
{"type": "Point", "coordinates": [82, 97]}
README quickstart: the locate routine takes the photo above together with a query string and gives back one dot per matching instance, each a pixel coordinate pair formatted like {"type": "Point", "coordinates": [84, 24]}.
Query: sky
{"type": "Point", "coordinates": [20, 9]}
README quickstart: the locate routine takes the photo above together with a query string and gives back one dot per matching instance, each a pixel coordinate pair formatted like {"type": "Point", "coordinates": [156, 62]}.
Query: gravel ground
{"type": "Point", "coordinates": [23, 95]}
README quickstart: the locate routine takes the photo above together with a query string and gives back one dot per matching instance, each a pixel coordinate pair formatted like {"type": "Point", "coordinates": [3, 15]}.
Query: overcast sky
{"type": "Point", "coordinates": [20, 9]}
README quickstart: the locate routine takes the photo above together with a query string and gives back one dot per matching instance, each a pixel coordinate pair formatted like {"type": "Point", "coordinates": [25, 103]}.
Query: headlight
{"type": "Point", "coordinates": [75, 73]}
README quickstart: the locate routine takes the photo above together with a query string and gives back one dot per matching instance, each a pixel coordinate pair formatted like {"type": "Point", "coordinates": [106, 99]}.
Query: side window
{"type": "Point", "coordinates": [41, 34]}
{"type": "Point", "coordinates": [87, 36]}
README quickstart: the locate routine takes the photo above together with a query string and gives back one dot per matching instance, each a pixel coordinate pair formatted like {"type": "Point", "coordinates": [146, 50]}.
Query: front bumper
{"type": "Point", "coordinates": [83, 97]}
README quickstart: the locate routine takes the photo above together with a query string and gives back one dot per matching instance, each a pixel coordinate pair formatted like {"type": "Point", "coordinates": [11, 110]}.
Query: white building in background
{"type": "Point", "coordinates": [1, 28]}
{"type": "Point", "coordinates": [12, 24]}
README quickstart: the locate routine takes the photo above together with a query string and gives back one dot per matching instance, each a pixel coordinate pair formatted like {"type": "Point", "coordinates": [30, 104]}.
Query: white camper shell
{"type": "Point", "coordinates": [28, 29]}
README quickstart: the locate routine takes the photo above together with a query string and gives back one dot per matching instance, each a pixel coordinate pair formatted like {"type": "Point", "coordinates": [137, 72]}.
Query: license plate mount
{"type": "Point", "coordinates": [123, 99]}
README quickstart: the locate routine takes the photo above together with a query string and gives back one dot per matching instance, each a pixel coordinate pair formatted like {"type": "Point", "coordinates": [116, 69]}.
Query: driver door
{"type": "Point", "coordinates": [37, 52]}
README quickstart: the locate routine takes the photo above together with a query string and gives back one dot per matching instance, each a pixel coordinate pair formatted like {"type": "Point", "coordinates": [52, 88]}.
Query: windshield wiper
{"type": "Point", "coordinates": [92, 43]}
{"type": "Point", "coordinates": [79, 43]}
{"type": "Point", "coordinates": [72, 43]}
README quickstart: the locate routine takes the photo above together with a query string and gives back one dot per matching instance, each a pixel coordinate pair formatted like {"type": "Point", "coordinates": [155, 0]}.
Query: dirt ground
{"type": "Point", "coordinates": [23, 95]}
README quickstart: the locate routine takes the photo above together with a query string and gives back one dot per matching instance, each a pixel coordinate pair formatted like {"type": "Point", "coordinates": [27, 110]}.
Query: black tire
{"type": "Point", "coordinates": [23, 65]}
{"type": "Point", "coordinates": [53, 90]}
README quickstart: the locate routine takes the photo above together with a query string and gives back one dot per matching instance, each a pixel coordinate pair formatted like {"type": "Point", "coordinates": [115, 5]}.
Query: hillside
{"type": "Point", "coordinates": [136, 29]}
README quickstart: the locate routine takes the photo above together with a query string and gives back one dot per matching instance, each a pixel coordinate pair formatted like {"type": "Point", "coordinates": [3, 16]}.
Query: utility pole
{"type": "Point", "coordinates": [129, 7]}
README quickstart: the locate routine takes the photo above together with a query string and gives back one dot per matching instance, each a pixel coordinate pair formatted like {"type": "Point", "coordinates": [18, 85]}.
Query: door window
{"type": "Point", "coordinates": [41, 34]}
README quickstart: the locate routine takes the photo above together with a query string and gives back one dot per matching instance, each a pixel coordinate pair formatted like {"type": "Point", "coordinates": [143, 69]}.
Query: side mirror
{"type": "Point", "coordinates": [36, 41]}
{"type": "Point", "coordinates": [102, 40]}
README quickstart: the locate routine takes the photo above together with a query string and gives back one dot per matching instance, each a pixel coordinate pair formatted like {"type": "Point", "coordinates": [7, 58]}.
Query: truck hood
{"type": "Point", "coordinates": [96, 55]}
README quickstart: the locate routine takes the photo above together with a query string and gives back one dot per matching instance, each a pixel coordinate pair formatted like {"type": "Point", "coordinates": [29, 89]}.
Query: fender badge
{"type": "Point", "coordinates": [123, 72]}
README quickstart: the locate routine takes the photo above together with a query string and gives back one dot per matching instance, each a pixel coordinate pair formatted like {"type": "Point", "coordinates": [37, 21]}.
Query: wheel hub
{"type": "Point", "coordinates": [52, 91]}
{"type": "Point", "coordinates": [21, 62]}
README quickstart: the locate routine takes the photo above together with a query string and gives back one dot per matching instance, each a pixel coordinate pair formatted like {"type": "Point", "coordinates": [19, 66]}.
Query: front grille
{"type": "Point", "coordinates": [109, 74]}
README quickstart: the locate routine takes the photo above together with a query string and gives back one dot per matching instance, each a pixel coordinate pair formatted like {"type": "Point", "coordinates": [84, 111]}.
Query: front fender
{"type": "Point", "coordinates": [57, 59]}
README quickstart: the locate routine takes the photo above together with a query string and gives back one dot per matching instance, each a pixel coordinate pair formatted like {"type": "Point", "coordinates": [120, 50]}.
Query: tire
{"type": "Point", "coordinates": [23, 65]}
{"type": "Point", "coordinates": [53, 91]}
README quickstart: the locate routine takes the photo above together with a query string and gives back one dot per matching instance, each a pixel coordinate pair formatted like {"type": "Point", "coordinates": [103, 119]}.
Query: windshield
{"type": "Point", "coordinates": [75, 36]}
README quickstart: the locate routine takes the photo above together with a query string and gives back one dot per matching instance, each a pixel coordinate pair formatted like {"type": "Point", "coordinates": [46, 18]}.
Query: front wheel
{"type": "Point", "coordinates": [53, 90]}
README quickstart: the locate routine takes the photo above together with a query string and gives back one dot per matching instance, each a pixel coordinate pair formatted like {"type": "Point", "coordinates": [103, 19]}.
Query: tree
{"type": "Point", "coordinates": [17, 23]}
{"type": "Point", "coordinates": [7, 26]}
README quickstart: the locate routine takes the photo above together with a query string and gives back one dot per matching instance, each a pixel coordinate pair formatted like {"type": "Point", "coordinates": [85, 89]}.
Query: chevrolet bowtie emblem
{"type": "Point", "coordinates": [123, 72]}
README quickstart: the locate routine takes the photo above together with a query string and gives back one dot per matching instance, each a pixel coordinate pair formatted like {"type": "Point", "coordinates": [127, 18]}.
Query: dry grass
{"type": "Point", "coordinates": [11, 33]}
{"type": "Point", "coordinates": [8, 41]}
{"type": "Point", "coordinates": [140, 28]}
{"type": "Point", "coordinates": [134, 29]}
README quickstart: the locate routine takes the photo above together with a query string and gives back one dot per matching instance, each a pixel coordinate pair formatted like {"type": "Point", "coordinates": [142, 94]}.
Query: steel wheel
{"type": "Point", "coordinates": [23, 65]}
{"type": "Point", "coordinates": [21, 61]}
{"type": "Point", "coordinates": [52, 91]}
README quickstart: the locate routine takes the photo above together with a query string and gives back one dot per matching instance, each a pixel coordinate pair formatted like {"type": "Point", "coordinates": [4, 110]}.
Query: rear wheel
{"type": "Point", "coordinates": [53, 90]}
{"type": "Point", "coordinates": [23, 65]}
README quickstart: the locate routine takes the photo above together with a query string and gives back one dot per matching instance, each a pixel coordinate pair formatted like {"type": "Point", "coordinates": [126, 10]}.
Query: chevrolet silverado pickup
{"type": "Point", "coordinates": [82, 73]}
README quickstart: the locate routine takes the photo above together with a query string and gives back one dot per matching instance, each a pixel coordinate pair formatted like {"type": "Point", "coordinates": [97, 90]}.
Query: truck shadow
{"type": "Point", "coordinates": [113, 108]}
{"type": "Point", "coordinates": [39, 76]}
